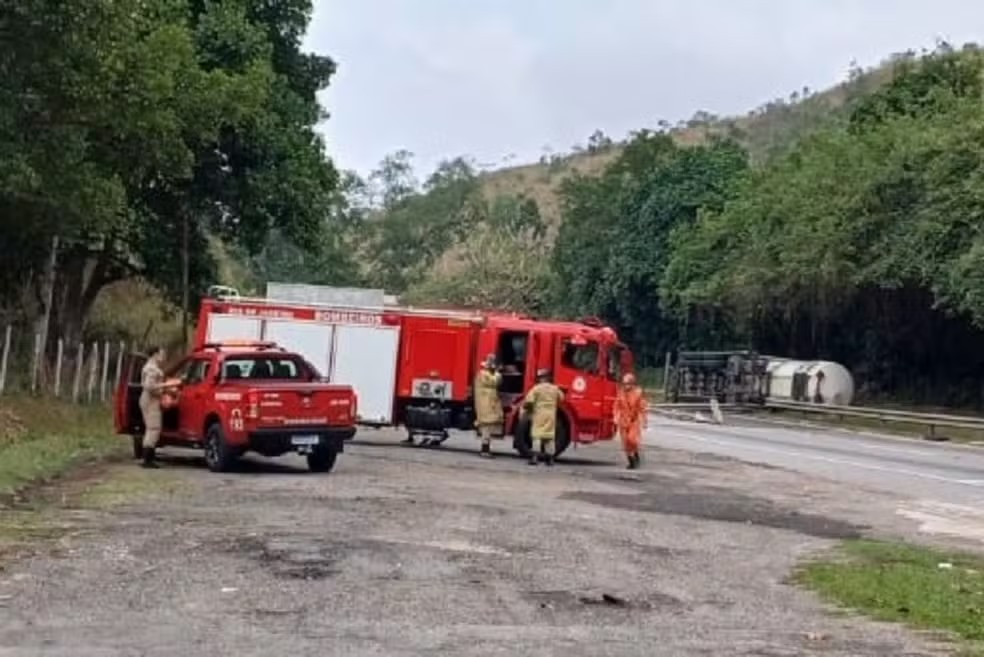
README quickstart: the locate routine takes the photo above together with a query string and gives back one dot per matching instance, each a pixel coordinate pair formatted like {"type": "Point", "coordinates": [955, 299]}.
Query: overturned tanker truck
{"type": "Point", "coordinates": [746, 377]}
{"type": "Point", "coordinates": [415, 367]}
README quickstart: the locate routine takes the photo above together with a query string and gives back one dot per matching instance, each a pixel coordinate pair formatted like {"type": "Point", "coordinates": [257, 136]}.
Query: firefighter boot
{"type": "Point", "coordinates": [486, 451]}
{"type": "Point", "coordinates": [150, 458]}
{"type": "Point", "coordinates": [533, 458]}
{"type": "Point", "coordinates": [548, 459]}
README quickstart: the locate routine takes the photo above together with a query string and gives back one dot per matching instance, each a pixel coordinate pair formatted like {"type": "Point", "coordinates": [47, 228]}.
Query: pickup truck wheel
{"type": "Point", "coordinates": [322, 459]}
{"type": "Point", "coordinates": [218, 456]}
{"type": "Point", "coordinates": [137, 447]}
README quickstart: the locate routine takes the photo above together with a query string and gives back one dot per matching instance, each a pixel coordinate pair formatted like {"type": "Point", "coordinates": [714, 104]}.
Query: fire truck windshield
{"type": "Point", "coordinates": [614, 364]}
{"type": "Point", "coordinates": [582, 357]}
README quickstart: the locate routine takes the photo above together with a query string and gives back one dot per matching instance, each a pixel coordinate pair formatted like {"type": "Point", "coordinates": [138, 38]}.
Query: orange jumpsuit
{"type": "Point", "coordinates": [630, 417]}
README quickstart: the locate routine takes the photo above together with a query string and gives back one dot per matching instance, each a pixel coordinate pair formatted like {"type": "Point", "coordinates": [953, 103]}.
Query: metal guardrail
{"type": "Point", "coordinates": [929, 420]}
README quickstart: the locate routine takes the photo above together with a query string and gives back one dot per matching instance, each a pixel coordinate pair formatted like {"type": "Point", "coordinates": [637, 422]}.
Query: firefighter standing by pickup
{"type": "Point", "coordinates": [488, 406]}
{"type": "Point", "coordinates": [630, 418]}
{"type": "Point", "coordinates": [152, 384]}
{"type": "Point", "coordinates": [541, 403]}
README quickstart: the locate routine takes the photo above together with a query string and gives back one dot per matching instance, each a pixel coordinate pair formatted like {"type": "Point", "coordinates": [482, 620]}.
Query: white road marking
{"type": "Point", "coordinates": [828, 459]}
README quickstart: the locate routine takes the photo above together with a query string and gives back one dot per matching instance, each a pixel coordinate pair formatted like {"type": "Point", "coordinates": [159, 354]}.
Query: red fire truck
{"type": "Point", "coordinates": [415, 367]}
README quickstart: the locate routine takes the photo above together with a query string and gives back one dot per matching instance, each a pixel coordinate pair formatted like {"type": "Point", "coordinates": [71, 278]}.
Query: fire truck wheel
{"type": "Point", "coordinates": [521, 438]}
{"type": "Point", "coordinates": [137, 447]}
{"type": "Point", "coordinates": [219, 457]}
{"type": "Point", "coordinates": [322, 460]}
{"type": "Point", "coordinates": [523, 444]}
{"type": "Point", "coordinates": [563, 440]}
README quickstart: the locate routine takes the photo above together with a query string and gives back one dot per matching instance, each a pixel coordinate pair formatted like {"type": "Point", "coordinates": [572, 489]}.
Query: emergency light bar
{"type": "Point", "coordinates": [255, 344]}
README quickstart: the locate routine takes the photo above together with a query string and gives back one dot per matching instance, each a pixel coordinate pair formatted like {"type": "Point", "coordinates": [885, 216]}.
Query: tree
{"type": "Point", "coordinates": [862, 244]}
{"type": "Point", "coordinates": [154, 124]}
{"type": "Point", "coordinates": [614, 243]}
{"type": "Point", "coordinates": [414, 228]}
{"type": "Point", "coordinates": [497, 268]}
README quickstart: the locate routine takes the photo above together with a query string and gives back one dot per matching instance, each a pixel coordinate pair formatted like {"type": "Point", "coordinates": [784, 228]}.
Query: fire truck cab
{"type": "Point", "coordinates": [440, 361]}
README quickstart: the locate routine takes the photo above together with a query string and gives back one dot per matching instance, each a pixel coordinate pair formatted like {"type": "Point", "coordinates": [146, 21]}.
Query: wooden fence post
{"type": "Point", "coordinates": [77, 384]}
{"type": "Point", "coordinates": [93, 373]}
{"type": "Point", "coordinates": [36, 362]}
{"type": "Point", "coordinates": [105, 371]}
{"type": "Point", "coordinates": [5, 357]}
{"type": "Point", "coordinates": [58, 366]}
{"type": "Point", "coordinates": [119, 364]}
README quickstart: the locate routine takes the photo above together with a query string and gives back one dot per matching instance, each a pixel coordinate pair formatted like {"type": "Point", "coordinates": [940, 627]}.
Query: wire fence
{"type": "Point", "coordinates": [78, 371]}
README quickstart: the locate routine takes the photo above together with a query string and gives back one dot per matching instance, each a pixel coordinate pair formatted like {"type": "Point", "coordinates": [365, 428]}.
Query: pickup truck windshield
{"type": "Point", "coordinates": [265, 368]}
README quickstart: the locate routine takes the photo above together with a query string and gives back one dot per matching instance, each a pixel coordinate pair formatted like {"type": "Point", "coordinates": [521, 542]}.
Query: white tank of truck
{"type": "Point", "coordinates": [813, 381]}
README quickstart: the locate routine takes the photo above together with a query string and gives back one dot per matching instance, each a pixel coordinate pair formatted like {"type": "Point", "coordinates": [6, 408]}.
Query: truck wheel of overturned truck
{"type": "Point", "coordinates": [137, 447]}
{"type": "Point", "coordinates": [219, 457]}
{"type": "Point", "coordinates": [523, 442]}
{"type": "Point", "coordinates": [322, 459]}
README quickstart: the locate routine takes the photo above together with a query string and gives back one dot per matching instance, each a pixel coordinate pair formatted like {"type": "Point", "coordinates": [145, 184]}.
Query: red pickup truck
{"type": "Point", "coordinates": [245, 397]}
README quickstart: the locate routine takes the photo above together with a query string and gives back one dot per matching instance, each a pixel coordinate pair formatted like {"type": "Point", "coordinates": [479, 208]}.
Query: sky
{"type": "Point", "coordinates": [501, 80]}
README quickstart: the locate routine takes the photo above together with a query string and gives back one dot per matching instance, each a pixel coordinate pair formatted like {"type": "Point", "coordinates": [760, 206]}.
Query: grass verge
{"type": "Point", "coordinates": [925, 588]}
{"type": "Point", "coordinates": [51, 438]}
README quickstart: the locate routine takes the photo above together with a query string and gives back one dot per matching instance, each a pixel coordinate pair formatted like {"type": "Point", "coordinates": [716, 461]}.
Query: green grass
{"type": "Point", "coordinates": [125, 483]}
{"type": "Point", "coordinates": [905, 583]}
{"type": "Point", "coordinates": [42, 440]}
{"type": "Point", "coordinates": [52, 437]}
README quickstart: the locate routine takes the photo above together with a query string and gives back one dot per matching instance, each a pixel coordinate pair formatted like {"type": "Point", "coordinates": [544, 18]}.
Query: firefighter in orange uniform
{"type": "Point", "coordinates": [631, 418]}
{"type": "Point", "coordinates": [542, 402]}
{"type": "Point", "coordinates": [488, 406]}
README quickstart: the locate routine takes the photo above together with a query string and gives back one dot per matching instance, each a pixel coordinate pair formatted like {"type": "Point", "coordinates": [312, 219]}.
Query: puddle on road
{"type": "Point", "coordinates": [722, 505]}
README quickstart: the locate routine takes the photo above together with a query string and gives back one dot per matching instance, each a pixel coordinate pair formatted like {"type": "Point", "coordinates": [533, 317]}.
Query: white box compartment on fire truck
{"type": "Point", "coordinates": [353, 347]}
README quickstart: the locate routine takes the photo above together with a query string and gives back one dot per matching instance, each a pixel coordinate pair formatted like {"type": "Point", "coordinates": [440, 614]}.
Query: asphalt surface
{"type": "Point", "coordinates": [939, 485]}
{"type": "Point", "coordinates": [409, 551]}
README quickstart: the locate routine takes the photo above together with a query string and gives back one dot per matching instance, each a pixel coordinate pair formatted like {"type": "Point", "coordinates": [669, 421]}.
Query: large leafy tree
{"type": "Point", "coordinates": [614, 243]}
{"type": "Point", "coordinates": [134, 129]}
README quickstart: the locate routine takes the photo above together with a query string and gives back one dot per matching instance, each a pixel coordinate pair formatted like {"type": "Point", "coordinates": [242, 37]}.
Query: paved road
{"type": "Point", "coordinates": [936, 483]}
{"type": "Point", "coordinates": [411, 552]}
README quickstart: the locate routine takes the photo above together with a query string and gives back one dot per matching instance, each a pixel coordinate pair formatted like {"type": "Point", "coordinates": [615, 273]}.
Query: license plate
{"type": "Point", "coordinates": [304, 440]}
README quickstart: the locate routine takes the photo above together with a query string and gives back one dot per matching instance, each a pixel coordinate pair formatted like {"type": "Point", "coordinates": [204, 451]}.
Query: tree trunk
{"type": "Point", "coordinates": [83, 275]}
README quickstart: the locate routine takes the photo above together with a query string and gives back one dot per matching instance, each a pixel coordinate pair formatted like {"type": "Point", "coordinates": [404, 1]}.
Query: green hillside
{"type": "Point", "coordinates": [151, 148]}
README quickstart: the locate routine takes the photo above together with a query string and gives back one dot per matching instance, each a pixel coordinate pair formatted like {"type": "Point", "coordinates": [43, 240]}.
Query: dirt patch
{"type": "Point", "coordinates": [12, 428]}
{"type": "Point", "coordinates": [597, 602]}
{"type": "Point", "coordinates": [722, 505]}
{"type": "Point", "coordinates": [291, 558]}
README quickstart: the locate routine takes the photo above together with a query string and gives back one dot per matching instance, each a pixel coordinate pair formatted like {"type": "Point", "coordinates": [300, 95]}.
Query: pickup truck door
{"type": "Point", "coordinates": [196, 389]}
{"type": "Point", "coordinates": [127, 417]}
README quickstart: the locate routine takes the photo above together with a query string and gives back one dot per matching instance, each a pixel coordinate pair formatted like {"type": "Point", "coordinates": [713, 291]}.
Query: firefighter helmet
{"type": "Point", "coordinates": [544, 375]}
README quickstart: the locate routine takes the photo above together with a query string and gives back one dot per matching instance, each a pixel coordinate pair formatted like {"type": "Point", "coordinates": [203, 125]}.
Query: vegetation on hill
{"type": "Point", "coordinates": [842, 225]}
{"type": "Point", "coordinates": [156, 147]}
